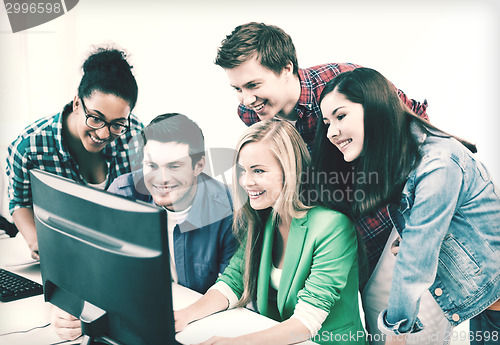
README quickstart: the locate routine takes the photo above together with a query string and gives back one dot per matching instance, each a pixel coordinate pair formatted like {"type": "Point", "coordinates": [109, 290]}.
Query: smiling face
{"type": "Point", "coordinates": [169, 174]}
{"type": "Point", "coordinates": [103, 106]}
{"type": "Point", "coordinates": [264, 91]}
{"type": "Point", "coordinates": [345, 126]}
{"type": "Point", "coordinates": [261, 175]}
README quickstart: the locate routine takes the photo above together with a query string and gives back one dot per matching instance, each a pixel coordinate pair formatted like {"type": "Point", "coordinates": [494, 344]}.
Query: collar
{"type": "Point", "coordinates": [419, 132]}
{"type": "Point", "coordinates": [57, 129]}
{"type": "Point", "coordinates": [306, 99]}
{"type": "Point", "coordinates": [296, 222]}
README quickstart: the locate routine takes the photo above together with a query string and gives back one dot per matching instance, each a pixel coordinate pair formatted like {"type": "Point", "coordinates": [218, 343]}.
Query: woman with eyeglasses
{"type": "Point", "coordinates": [87, 142]}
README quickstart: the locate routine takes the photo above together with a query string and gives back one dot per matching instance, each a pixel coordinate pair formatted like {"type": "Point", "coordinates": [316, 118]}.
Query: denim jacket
{"type": "Point", "coordinates": [204, 242]}
{"type": "Point", "coordinates": [449, 222]}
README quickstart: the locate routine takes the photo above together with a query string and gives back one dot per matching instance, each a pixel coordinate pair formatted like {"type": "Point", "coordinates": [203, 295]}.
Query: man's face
{"type": "Point", "coordinates": [169, 175]}
{"type": "Point", "coordinates": [262, 90]}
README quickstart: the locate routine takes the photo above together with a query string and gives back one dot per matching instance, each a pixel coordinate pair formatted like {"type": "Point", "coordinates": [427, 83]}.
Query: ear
{"type": "Point", "coordinates": [199, 166]}
{"type": "Point", "coordinates": [288, 70]}
{"type": "Point", "coordinates": [76, 102]}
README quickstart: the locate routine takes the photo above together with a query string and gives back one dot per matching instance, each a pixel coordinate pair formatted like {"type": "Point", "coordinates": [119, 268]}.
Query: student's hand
{"type": "Point", "coordinates": [34, 250]}
{"type": "Point", "coordinates": [66, 326]}
{"type": "Point", "coordinates": [395, 246]}
{"type": "Point", "coordinates": [395, 340]}
{"type": "Point", "coordinates": [182, 319]}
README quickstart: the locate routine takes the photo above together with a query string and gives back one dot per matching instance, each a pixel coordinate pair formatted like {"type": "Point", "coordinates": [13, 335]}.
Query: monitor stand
{"type": "Point", "coordinates": [94, 323]}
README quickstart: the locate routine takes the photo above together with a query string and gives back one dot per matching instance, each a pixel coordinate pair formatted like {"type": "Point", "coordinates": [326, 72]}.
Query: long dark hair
{"type": "Point", "coordinates": [390, 151]}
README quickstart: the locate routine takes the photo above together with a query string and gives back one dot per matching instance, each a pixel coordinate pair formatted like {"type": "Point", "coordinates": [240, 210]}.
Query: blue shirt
{"type": "Point", "coordinates": [449, 221]}
{"type": "Point", "coordinates": [41, 145]}
{"type": "Point", "coordinates": [204, 242]}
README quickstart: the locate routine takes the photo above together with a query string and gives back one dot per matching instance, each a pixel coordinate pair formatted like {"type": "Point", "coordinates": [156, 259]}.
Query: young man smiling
{"type": "Point", "coordinates": [261, 63]}
{"type": "Point", "coordinates": [199, 208]}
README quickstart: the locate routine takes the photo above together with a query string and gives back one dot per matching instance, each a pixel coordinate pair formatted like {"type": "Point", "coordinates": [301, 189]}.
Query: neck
{"type": "Point", "coordinates": [288, 112]}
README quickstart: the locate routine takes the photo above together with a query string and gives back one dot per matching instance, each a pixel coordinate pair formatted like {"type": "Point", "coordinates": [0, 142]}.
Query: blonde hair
{"type": "Point", "coordinates": [291, 152]}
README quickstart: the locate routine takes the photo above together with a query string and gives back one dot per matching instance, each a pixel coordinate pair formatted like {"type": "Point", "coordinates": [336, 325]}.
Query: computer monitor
{"type": "Point", "coordinates": [104, 259]}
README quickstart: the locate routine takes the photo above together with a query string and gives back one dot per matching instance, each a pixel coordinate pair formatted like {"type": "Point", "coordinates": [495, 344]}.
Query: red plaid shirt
{"type": "Point", "coordinates": [374, 230]}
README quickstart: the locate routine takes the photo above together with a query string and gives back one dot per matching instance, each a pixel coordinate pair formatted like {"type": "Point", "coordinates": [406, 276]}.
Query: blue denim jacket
{"type": "Point", "coordinates": [204, 242]}
{"type": "Point", "coordinates": [449, 222]}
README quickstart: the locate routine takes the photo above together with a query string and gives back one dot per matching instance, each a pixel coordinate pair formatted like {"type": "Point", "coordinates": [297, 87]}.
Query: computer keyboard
{"type": "Point", "coordinates": [13, 286]}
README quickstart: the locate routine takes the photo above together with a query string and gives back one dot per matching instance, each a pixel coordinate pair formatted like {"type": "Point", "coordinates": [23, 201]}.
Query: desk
{"type": "Point", "coordinates": [27, 313]}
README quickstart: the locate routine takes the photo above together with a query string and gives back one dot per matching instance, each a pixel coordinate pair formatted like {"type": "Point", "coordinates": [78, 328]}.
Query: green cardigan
{"type": "Point", "coordinates": [320, 268]}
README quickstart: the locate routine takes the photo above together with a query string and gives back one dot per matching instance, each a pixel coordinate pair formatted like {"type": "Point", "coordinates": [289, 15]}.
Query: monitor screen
{"type": "Point", "coordinates": [104, 259]}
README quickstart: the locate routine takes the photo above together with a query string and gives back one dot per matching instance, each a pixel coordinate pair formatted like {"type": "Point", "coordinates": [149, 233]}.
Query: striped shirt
{"type": "Point", "coordinates": [41, 145]}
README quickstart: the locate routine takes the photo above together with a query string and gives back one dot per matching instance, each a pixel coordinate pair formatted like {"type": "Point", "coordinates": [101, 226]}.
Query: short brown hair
{"type": "Point", "coordinates": [272, 46]}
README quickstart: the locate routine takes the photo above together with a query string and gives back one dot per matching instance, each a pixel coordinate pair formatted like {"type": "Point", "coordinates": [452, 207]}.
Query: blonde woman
{"type": "Point", "coordinates": [297, 263]}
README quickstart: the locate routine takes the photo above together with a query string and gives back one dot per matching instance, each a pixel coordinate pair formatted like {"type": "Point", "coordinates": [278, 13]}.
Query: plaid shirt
{"type": "Point", "coordinates": [312, 83]}
{"type": "Point", "coordinates": [41, 146]}
{"type": "Point", "coordinates": [374, 230]}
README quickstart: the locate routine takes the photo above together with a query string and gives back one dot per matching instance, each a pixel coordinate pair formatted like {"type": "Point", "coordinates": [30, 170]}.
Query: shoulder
{"type": "Point", "coordinates": [248, 116]}
{"type": "Point", "coordinates": [39, 135]}
{"type": "Point", "coordinates": [123, 181]}
{"type": "Point", "coordinates": [130, 185]}
{"type": "Point", "coordinates": [326, 72]}
{"type": "Point", "coordinates": [443, 151]}
{"type": "Point", "coordinates": [324, 218]}
{"type": "Point", "coordinates": [136, 127]}
{"type": "Point", "coordinates": [135, 123]}
{"type": "Point", "coordinates": [215, 190]}
{"type": "Point", "coordinates": [325, 226]}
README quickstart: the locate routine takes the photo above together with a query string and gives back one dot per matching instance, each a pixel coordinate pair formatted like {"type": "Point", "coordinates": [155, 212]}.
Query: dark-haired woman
{"type": "Point", "coordinates": [86, 142]}
{"type": "Point", "coordinates": [441, 201]}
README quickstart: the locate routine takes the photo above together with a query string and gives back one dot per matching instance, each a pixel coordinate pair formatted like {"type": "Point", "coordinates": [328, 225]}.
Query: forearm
{"type": "Point", "coordinates": [290, 331]}
{"type": "Point", "coordinates": [25, 222]}
{"type": "Point", "coordinates": [212, 302]}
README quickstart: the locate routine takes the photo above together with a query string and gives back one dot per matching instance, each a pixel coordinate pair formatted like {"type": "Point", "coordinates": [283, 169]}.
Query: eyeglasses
{"type": "Point", "coordinates": [96, 122]}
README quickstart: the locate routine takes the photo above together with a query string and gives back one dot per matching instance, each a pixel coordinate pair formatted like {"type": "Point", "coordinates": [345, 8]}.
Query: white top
{"type": "Point", "coordinates": [275, 277]}
{"type": "Point", "coordinates": [101, 185]}
{"type": "Point", "coordinates": [174, 218]}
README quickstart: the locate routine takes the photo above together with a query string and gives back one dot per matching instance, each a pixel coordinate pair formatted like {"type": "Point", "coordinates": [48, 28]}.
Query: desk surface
{"type": "Point", "coordinates": [31, 312]}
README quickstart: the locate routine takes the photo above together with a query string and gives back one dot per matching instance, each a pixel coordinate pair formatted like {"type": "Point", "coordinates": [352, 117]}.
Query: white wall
{"type": "Point", "coordinates": [445, 51]}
